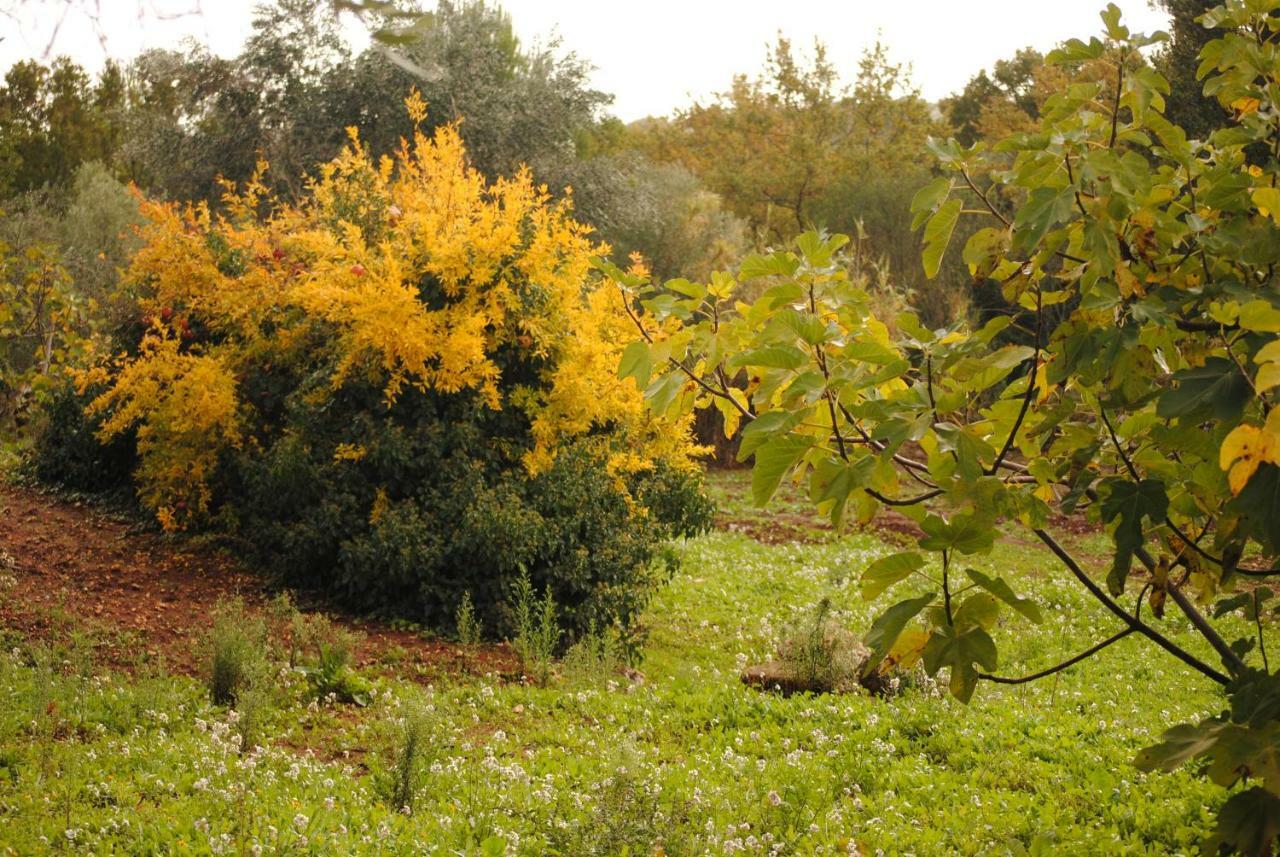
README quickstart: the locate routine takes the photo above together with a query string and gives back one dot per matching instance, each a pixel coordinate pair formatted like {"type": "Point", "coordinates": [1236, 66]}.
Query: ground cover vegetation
{"type": "Point", "coordinates": [351, 319]}
{"type": "Point", "coordinates": [677, 758]}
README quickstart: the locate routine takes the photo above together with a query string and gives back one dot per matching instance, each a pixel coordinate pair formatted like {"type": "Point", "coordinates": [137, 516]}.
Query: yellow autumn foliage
{"type": "Point", "coordinates": [185, 410]}
{"type": "Point", "coordinates": [407, 272]}
{"type": "Point", "coordinates": [1247, 448]}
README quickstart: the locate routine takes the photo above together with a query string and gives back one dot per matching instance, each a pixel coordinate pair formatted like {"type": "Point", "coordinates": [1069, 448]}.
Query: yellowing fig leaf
{"type": "Point", "coordinates": [1269, 353]}
{"type": "Point", "coordinates": [906, 652]}
{"type": "Point", "coordinates": [1268, 377]}
{"type": "Point", "coordinates": [1247, 448]}
{"type": "Point", "coordinates": [1043, 388]}
{"type": "Point", "coordinates": [1261, 316]}
{"type": "Point", "coordinates": [886, 629]}
{"type": "Point", "coordinates": [730, 415]}
{"type": "Point", "coordinates": [1245, 106]}
{"type": "Point", "coordinates": [1267, 201]}
{"type": "Point", "coordinates": [980, 610]}
{"type": "Point", "coordinates": [1126, 281]}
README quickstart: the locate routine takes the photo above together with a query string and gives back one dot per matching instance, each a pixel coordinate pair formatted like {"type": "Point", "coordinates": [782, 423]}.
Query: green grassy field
{"type": "Point", "coordinates": [681, 759]}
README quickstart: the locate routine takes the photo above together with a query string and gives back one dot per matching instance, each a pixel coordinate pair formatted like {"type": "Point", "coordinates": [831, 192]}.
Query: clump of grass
{"type": "Point", "coordinates": [537, 631]}
{"type": "Point", "coordinates": [321, 650]}
{"type": "Point", "coordinates": [467, 623]}
{"type": "Point", "coordinates": [626, 818]}
{"type": "Point", "coordinates": [45, 698]}
{"type": "Point", "coordinates": [820, 655]}
{"type": "Point", "coordinates": [414, 746]}
{"type": "Point", "coordinates": [291, 627]}
{"type": "Point", "coordinates": [329, 670]}
{"type": "Point", "coordinates": [393, 655]}
{"type": "Point", "coordinates": [240, 672]}
{"type": "Point", "coordinates": [595, 654]}
{"type": "Point", "coordinates": [237, 651]}
{"type": "Point", "coordinates": [255, 702]}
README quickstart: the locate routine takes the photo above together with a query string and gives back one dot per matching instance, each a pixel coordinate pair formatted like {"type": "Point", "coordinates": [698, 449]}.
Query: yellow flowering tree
{"type": "Point", "coordinates": [404, 297]}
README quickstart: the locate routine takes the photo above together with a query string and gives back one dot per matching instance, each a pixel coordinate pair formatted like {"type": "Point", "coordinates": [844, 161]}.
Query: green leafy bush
{"type": "Point", "coordinates": [390, 414]}
{"type": "Point", "coordinates": [320, 650]}
{"type": "Point", "coordinates": [428, 515]}
{"type": "Point", "coordinates": [331, 676]}
{"type": "Point", "coordinates": [97, 237]}
{"type": "Point", "coordinates": [67, 451]}
{"type": "Point", "coordinates": [437, 508]}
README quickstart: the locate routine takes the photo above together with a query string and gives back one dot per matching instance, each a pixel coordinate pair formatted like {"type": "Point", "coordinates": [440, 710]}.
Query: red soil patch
{"type": "Point", "coordinates": [775, 528]}
{"type": "Point", "coordinates": [73, 567]}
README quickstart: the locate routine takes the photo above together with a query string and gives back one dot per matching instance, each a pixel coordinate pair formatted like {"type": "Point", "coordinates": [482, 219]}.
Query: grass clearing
{"type": "Point", "coordinates": [679, 759]}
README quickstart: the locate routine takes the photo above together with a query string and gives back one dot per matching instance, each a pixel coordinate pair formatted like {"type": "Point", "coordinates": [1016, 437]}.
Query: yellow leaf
{"type": "Point", "coordinates": [1248, 447]}
{"type": "Point", "coordinates": [1260, 315]}
{"type": "Point", "coordinates": [1156, 599]}
{"type": "Point", "coordinates": [1267, 201]}
{"type": "Point", "coordinates": [730, 414]}
{"type": "Point", "coordinates": [906, 652]}
{"type": "Point", "coordinates": [1242, 443]}
{"type": "Point", "coordinates": [416, 106]}
{"type": "Point", "coordinates": [1245, 106]}
{"type": "Point", "coordinates": [892, 386]}
{"type": "Point", "coordinates": [1126, 281]}
{"type": "Point", "coordinates": [878, 331]}
{"type": "Point", "coordinates": [1043, 388]}
{"type": "Point", "coordinates": [1268, 377]}
{"type": "Point", "coordinates": [1269, 353]}
{"type": "Point", "coordinates": [349, 452]}
{"type": "Point", "coordinates": [1159, 581]}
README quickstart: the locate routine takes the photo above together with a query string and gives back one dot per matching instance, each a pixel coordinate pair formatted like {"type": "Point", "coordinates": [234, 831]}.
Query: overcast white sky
{"type": "Point", "coordinates": [653, 55]}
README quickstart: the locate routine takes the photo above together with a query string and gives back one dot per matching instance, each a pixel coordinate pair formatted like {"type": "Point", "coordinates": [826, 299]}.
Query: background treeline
{"type": "Point", "coordinates": [783, 149]}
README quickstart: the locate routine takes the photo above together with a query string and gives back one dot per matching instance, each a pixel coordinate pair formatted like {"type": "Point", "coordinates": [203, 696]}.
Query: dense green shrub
{"type": "Point", "coordinates": [431, 513]}
{"type": "Point", "coordinates": [97, 237]}
{"type": "Point", "coordinates": [453, 511]}
{"type": "Point", "coordinates": [876, 210]}
{"type": "Point", "coordinates": [67, 451]}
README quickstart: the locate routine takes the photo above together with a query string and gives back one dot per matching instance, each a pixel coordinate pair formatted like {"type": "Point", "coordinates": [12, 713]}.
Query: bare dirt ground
{"type": "Point", "coordinates": [71, 567]}
{"type": "Point", "coordinates": [774, 528]}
